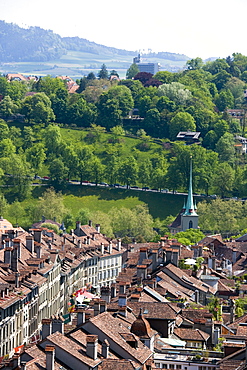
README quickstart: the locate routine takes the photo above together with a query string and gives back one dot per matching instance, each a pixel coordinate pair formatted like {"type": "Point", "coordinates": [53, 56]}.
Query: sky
{"type": "Point", "coordinates": [212, 28]}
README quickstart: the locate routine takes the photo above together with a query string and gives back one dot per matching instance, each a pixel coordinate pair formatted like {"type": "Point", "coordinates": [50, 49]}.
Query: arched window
{"type": "Point", "coordinates": [190, 225]}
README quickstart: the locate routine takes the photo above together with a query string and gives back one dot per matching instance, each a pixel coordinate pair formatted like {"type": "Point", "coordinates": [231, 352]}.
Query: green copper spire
{"type": "Point", "coordinates": [190, 209]}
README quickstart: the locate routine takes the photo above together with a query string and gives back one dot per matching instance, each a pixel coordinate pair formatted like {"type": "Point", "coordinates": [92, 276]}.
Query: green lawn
{"type": "Point", "coordinates": [102, 199]}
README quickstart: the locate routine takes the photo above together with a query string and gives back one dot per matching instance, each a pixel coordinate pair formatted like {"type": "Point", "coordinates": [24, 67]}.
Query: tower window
{"type": "Point", "coordinates": [190, 225]}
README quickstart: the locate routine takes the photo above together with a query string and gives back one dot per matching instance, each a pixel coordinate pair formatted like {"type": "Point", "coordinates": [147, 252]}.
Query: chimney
{"type": "Point", "coordinates": [38, 235]}
{"type": "Point", "coordinates": [38, 251]}
{"type": "Point", "coordinates": [122, 288]}
{"type": "Point", "coordinates": [50, 357]}
{"type": "Point", "coordinates": [46, 328]}
{"type": "Point", "coordinates": [92, 346]}
{"type": "Point", "coordinates": [119, 244]}
{"type": "Point", "coordinates": [16, 361]}
{"type": "Point", "coordinates": [123, 311]}
{"type": "Point", "coordinates": [143, 255]}
{"type": "Point", "coordinates": [58, 324]}
{"type": "Point", "coordinates": [90, 223]}
{"type": "Point", "coordinates": [103, 306]}
{"type": "Point", "coordinates": [96, 307]}
{"type": "Point", "coordinates": [234, 256]}
{"type": "Point", "coordinates": [122, 300]}
{"type": "Point", "coordinates": [17, 285]}
{"type": "Point", "coordinates": [17, 244]}
{"type": "Point", "coordinates": [169, 255]}
{"type": "Point", "coordinates": [30, 243]}
{"type": "Point", "coordinates": [23, 365]}
{"type": "Point", "coordinates": [110, 247]}
{"type": "Point", "coordinates": [97, 227]}
{"type": "Point", "coordinates": [214, 263]}
{"type": "Point", "coordinates": [88, 240]}
{"type": "Point", "coordinates": [14, 259]}
{"type": "Point", "coordinates": [102, 248]}
{"type": "Point", "coordinates": [197, 296]}
{"type": "Point", "coordinates": [79, 243]}
{"type": "Point", "coordinates": [78, 225]}
{"type": "Point", "coordinates": [105, 348]}
{"type": "Point", "coordinates": [7, 255]}
{"type": "Point", "coordinates": [113, 291]}
{"type": "Point", "coordinates": [232, 310]}
{"type": "Point", "coordinates": [81, 317]}
{"type": "Point", "coordinates": [175, 258]}
{"type": "Point", "coordinates": [216, 336]}
{"type": "Point", "coordinates": [200, 251]}
{"type": "Point", "coordinates": [105, 294]}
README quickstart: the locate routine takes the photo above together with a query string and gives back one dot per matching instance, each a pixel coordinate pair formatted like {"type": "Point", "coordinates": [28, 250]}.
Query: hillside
{"type": "Point", "coordinates": [38, 51]}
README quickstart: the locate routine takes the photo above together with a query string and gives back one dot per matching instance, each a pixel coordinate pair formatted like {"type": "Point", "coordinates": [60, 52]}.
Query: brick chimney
{"type": "Point", "coordinates": [57, 324]}
{"type": "Point", "coordinates": [38, 235]}
{"type": "Point", "coordinates": [7, 255]}
{"type": "Point", "coordinates": [119, 244]}
{"type": "Point", "coordinates": [50, 357]}
{"type": "Point", "coordinates": [105, 349]}
{"type": "Point", "coordinates": [81, 317]}
{"type": "Point", "coordinates": [14, 259]}
{"type": "Point", "coordinates": [92, 346]}
{"type": "Point", "coordinates": [30, 243]}
{"type": "Point", "coordinates": [46, 328]}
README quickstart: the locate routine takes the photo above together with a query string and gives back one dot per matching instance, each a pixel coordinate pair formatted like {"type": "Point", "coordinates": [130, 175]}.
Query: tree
{"type": "Point", "coordinates": [36, 156]}
{"type": "Point", "coordinates": [7, 148]}
{"type": "Point", "coordinates": [225, 148]}
{"type": "Point", "coordinates": [165, 77]}
{"type": "Point", "coordinates": [144, 77]}
{"type": "Point", "coordinates": [3, 205]}
{"type": "Point", "coordinates": [132, 71]}
{"type": "Point", "coordinates": [113, 105]}
{"type": "Point", "coordinates": [224, 100]}
{"type": "Point", "coordinates": [182, 121]}
{"type": "Point", "coordinates": [145, 171]}
{"type": "Point", "coordinates": [223, 180]}
{"type": "Point", "coordinates": [80, 112]}
{"type": "Point", "coordinates": [17, 211]}
{"type": "Point", "coordinates": [128, 171]}
{"type": "Point", "coordinates": [196, 63]}
{"type": "Point", "coordinates": [84, 215]}
{"type": "Point", "coordinates": [4, 130]}
{"type": "Point", "coordinates": [53, 139]}
{"type": "Point", "coordinates": [7, 107]}
{"type": "Point", "coordinates": [175, 91]}
{"type": "Point", "coordinates": [94, 89]}
{"type": "Point", "coordinates": [96, 170]}
{"type": "Point", "coordinates": [117, 131]}
{"type": "Point", "coordinates": [37, 109]}
{"type": "Point", "coordinates": [50, 85]}
{"type": "Point", "coordinates": [58, 172]}
{"type": "Point", "coordinates": [190, 236]}
{"type": "Point", "coordinates": [21, 176]}
{"type": "Point", "coordinates": [51, 205]}
{"type": "Point", "coordinates": [103, 73]}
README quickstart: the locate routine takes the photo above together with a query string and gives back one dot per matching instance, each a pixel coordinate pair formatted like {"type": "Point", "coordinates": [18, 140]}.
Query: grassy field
{"type": "Point", "coordinates": [76, 197]}
{"type": "Point", "coordinates": [77, 64]}
{"type": "Point", "coordinates": [160, 205]}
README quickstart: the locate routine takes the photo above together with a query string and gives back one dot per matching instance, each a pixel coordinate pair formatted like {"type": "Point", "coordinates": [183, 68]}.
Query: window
{"type": "Point", "coordinates": [178, 367]}
{"type": "Point", "coordinates": [190, 225]}
{"type": "Point", "coordinates": [157, 364]}
{"type": "Point", "coordinates": [164, 366]}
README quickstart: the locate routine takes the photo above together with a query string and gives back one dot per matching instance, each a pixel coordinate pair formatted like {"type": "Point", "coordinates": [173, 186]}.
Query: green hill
{"type": "Point", "coordinates": [41, 52]}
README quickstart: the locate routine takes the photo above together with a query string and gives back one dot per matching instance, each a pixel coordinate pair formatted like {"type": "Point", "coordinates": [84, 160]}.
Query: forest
{"type": "Point", "coordinates": [104, 114]}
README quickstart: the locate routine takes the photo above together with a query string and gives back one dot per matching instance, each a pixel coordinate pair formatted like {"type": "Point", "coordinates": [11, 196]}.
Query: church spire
{"type": "Point", "coordinates": [190, 209]}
